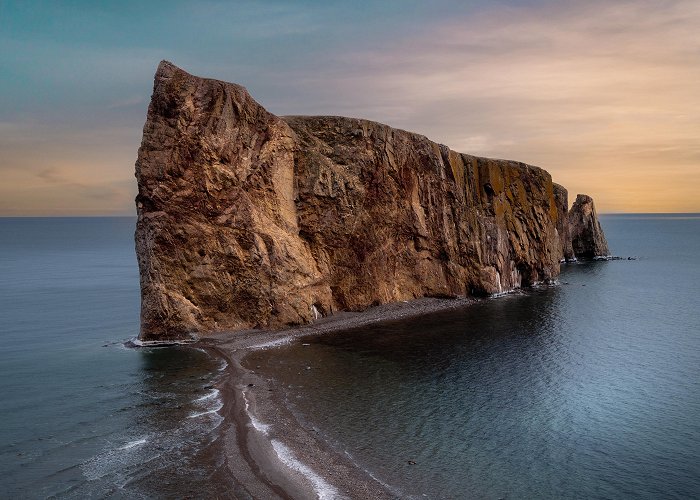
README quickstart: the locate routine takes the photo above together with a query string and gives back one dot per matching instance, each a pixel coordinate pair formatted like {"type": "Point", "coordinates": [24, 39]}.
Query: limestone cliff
{"type": "Point", "coordinates": [246, 219]}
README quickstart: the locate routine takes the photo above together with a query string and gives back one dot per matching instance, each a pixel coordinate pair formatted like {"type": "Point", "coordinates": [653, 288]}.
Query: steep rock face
{"type": "Point", "coordinates": [389, 215]}
{"type": "Point", "coordinates": [249, 220]}
{"type": "Point", "coordinates": [587, 237]}
{"type": "Point", "coordinates": [561, 199]}
{"type": "Point", "coordinates": [216, 238]}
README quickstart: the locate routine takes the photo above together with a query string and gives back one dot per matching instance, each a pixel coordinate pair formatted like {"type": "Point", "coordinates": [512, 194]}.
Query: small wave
{"type": "Point", "coordinates": [214, 393]}
{"type": "Point", "coordinates": [207, 412]}
{"type": "Point", "coordinates": [272, 343]}
{"type": "Point", "coordinates": [211, 402]}
{"type": "Point", "coordinates": [323, 489]}
{"type": "Point", "coordinates": [132, 444]}
{"type": "Point", "coordinates": [118, 462]}
{"type": "Point", "coordinates": [120, 344]}
{"type": "Point", "coordinates": [136, 342]}
{"type": "Point", "coordinates": [257, 424]}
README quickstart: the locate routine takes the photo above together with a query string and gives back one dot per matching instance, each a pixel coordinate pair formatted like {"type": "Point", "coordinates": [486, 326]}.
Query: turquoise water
{"type": "Point", "coordinates": [589, 389]}
{"type": "Point", "coordinates": [82, 416]}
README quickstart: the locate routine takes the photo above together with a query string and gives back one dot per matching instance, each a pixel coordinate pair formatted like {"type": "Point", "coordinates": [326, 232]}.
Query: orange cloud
{"type": "Point", "coordinates": [66, 172]}
{"type": "Point", "coordinates": [603, 95]}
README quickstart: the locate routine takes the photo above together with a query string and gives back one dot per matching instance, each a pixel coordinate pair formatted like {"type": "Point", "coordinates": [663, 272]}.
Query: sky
{"type": "Point", "coordinates": [605, 95]}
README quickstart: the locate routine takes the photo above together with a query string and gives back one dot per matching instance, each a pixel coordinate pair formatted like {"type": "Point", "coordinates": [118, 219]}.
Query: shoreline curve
{"type": "Point", "coordinates": [267, 451]}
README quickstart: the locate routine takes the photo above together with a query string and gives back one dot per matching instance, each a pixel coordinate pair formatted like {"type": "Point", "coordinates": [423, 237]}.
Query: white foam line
{"type": "Point", "coordinates": [136, 342]}
{"type": "Point", "coordinates": [133, 443]}
{"type": "Point", "coordinates": [257, 424]}
{"type": "Point", "coordinates": [272, 343]}
{"type": "Point", "coordinates": [504, 294]}
{"type": "Point", "coordinates": [202, 413]}
{"type": "Point", "coordinates": [323, 489]}
{"type": "Point", "coordinates": [370, 474]}
{"type": "Point", "coordinates": [212, 394]}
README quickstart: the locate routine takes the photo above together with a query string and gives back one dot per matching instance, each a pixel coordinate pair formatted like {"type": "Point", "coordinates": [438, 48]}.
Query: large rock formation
{"type": "Point", "coordinates": [586, 235]}
{"type": "Point", "coordinates": [246, 219]}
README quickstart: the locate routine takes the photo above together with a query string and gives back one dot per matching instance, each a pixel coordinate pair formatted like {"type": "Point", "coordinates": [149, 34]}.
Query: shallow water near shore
{"type": "Point", "coordinates": [81, 415]}
{"type": "Point", "coordinates": [588, 389]}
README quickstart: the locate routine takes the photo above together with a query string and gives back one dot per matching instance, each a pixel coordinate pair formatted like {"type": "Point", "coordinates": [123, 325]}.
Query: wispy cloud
{"type": "Point", "coordinates": [604, 94]}
{"type": "Point", "coordinates": [96, 190]}
{"type": "Point", "coordinates": [48, 170]}
{"type": "Point", "coordinates": [51, 175]}
{"type": "Point", "coordinates": [597, 87]}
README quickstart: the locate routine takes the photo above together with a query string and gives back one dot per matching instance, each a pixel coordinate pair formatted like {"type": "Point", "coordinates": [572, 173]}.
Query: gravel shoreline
{"type": "Point", "coordinates": [267, 451]}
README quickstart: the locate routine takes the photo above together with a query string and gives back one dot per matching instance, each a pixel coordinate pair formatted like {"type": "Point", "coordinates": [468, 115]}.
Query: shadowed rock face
{"type": "Point", "coordinates": [587, 238]}
{"type": "Point", "coordinates": [246, 219]}
{"type": "Point", "coordinates": [561, 199]}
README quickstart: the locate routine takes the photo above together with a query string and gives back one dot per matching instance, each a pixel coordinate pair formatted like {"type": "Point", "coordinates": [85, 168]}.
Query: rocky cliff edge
{"type": "Point", "coordinates": [249, 220]}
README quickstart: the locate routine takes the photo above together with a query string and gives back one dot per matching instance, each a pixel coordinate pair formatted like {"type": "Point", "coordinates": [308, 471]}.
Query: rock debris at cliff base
{"type": "Point", "coordinates": [249, 220]}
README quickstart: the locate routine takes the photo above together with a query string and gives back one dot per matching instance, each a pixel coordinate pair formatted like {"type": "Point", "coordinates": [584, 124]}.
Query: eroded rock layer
{"type": "Point", "coordinates": [246, 219]}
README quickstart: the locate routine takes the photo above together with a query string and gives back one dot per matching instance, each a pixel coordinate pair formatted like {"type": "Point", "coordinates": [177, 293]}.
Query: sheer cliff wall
{"type": "Point", "coordinates": [247, 220]}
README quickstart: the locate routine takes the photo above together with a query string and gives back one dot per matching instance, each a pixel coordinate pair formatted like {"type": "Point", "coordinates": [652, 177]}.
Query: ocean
{"type": "Point", "coordinates": [586, 389]}
{"type": "Point", "coordinates": [82, 416]}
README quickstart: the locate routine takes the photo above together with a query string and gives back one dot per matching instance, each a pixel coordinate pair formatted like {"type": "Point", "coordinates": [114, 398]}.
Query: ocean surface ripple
{"type": "Point", "coordinates": [589, 389]}
{"type": "Point", "coordinates": [83, 416]}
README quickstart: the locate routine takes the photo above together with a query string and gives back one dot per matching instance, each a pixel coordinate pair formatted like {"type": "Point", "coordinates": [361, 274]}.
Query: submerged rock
{"type": "Point", "coordinates": [249, 220]}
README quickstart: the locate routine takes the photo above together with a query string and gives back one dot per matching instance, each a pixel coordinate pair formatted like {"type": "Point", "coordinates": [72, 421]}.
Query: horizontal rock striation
{"type": "Point", "coordinates": [249, 220]}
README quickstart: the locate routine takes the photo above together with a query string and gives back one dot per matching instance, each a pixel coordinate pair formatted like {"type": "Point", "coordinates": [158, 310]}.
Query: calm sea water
{"type": "Point", "coordinates": [80, 415]}
{"type": "Point", "coordinates": [590, 389]}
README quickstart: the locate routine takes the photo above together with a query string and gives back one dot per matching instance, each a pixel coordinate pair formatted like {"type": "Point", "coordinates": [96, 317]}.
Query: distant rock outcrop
{"type": "Point", "coordinates": [587, 238]}
{"type": "Point", "coordinates": [246, 219]}
{"type": "Point", "coordinates": [561, 199]}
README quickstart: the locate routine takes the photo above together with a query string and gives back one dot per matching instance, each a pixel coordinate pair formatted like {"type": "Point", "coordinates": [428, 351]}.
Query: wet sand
{"type": "Point", "coordinates": [266, 451]}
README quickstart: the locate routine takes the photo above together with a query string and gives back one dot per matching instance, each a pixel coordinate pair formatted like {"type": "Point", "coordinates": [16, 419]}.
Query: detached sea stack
{"type": "Point", "coordinates": [249, 220]}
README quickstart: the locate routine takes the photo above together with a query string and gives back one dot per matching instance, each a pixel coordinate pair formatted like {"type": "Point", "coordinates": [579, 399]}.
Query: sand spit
{"type": "Point", "coordinates": [267, 451]}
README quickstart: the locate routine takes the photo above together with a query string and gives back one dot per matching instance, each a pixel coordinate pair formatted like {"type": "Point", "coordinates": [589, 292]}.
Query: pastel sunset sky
{"type": "Point", "coordinates": [605, 95]}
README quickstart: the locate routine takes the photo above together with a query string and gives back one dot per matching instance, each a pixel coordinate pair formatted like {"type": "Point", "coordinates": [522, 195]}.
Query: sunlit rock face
{"type": "Point", "coordinates": [249, 220]}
